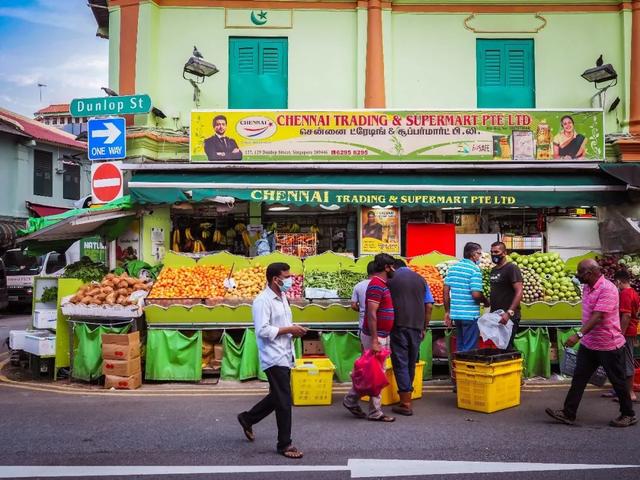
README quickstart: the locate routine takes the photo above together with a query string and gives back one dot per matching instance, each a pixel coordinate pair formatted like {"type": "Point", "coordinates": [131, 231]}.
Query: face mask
{"type": "Point", "coordinates": [287, 283]}
{"type": "Point", "coordinates": [477, 262]}
{"type": "Point", "coordinates": [496, 259]}
{"type": "Point", "coordinates": [581, 279]}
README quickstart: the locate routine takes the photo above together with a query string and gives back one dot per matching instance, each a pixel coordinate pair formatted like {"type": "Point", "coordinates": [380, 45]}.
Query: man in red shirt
{"type": "Point", "coordinates": [629, 306]}
{"type": "Point", "coordinates": [378, 322]}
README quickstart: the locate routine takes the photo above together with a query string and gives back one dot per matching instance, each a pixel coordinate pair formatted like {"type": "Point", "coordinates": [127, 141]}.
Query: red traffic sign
{"type": "Point", "coordinates": [106, 182]}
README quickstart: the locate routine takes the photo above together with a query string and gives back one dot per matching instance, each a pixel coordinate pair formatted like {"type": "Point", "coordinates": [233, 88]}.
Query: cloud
{"type": "Point", "coordinates": [22, 79]}
{"type": "Point", "coordinates": [53, 13]}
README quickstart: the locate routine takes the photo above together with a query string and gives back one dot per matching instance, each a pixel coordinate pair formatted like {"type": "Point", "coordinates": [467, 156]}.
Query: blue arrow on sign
{"type": "Point", "coordinates": [107, 139]}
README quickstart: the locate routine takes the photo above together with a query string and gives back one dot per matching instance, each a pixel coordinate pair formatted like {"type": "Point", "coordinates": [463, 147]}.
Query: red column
{"type": "Point", "coordinates": [374, 96]}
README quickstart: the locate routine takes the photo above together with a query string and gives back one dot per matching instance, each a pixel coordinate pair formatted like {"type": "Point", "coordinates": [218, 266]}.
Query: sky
{"type": "Point", "coordinates": [52, 42]}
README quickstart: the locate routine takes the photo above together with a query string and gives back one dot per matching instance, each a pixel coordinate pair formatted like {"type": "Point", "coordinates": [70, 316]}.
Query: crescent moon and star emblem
{"type": "Point", "coordinates": [260, 18]}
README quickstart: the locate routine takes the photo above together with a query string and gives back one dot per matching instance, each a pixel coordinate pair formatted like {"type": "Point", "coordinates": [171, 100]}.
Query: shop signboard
{"type": "Point", "coordinates": [392, 136]}
{"type": "Point", "coordinates": [94, 248]}
{"type": "Point", "coordinates": [379, 230]}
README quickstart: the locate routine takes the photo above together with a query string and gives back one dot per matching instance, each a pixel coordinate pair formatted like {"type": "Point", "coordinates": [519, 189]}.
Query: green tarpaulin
{"type": "Point", "coordinates": [172, 355]}
{"type": "Point", "coordinates": [534, 344]}
{"type": "Point", "coordinates": [428, 189]}
{"type": "Point", "coordinates": [87, 356]}
{"type": "Point", "coordinates": [35, 224]}
{"type": "Point", "coordinates": [241, 361]}
{"type": "Point", "coordinates": [563, 336]}
{"type": "Point", "coordinates": [343, 349]}
{"type": "Point", "coordinates": [426, 355]}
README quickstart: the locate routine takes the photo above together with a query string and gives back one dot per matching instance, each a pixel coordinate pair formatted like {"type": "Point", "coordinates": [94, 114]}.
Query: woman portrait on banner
{"type": "Point", "coordinates": [568, 144]}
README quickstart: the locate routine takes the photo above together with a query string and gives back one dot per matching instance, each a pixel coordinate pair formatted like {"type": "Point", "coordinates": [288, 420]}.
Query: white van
{"type": "Point", "coordinates": [21, 268]}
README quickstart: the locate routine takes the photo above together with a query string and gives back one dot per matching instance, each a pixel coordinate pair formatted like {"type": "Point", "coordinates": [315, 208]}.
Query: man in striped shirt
{"type": "Point", "coordinates": [602, 343]}
{"type": "Point", "coordinates": [463, 296]}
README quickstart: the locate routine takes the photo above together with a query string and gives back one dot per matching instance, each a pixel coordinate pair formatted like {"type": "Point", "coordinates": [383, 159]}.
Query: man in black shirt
{"type": "Point", "coordinates": [506, 288]}
{"type": "Point", "coordinates": [412, 305]}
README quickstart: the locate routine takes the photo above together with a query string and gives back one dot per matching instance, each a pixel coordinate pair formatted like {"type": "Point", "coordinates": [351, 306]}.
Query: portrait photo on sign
{"type": "Point", "coordinates": [379, 230]}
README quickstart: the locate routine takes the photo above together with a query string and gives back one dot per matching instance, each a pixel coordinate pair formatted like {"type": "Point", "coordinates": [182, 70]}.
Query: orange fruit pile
{"type": "Point", "coordinates": [249, 283]}
{"type": "Point", "coordinates": [433, 278]}
{"type": "Point", "coordinates": [190, 282]}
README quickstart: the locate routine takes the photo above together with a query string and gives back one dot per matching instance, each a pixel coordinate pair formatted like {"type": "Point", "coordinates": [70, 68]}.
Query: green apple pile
{"type": "Point", "coordinates": [557, 284]}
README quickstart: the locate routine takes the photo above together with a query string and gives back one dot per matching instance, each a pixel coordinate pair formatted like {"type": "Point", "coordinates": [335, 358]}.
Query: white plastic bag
{"type": "Point", "coordinates": [491, 329]}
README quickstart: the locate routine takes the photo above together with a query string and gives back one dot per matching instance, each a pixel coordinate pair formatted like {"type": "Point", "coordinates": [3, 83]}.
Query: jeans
{"type": "Point", "coordinates": [588, 361]}
{"type": "Point", "coordinates": [352, 398]}
{"type": "Point", "coordinates": [467, 334]}
{"type": "Point", "coordinates": [405, 352]}
{"type": "Point", "coordinates": [278, 400]}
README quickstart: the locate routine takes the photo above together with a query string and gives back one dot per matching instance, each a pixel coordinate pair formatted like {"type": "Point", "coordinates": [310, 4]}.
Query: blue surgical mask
{"type": "Point", "coordinates": [287, 283]}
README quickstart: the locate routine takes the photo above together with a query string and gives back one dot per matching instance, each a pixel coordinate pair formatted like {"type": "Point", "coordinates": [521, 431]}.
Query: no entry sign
{"type": "Point", "coordinates": [106, 182]}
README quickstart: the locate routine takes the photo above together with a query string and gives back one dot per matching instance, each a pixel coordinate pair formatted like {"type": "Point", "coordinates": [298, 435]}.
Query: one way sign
{"type": "Point", "coordinates": [107, 138]}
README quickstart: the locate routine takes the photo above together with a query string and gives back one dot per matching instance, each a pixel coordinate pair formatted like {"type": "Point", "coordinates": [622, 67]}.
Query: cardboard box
{"type": "Point", "coordinates": [123, 368]}
{"type": "Point", "coordinates": [116, 339]}
{"type": "Point", "coordinates": [218, 351]}
{"type": "Point", "coordinates": [123, 383]}
{"type": "Point", "coordinates": [312, 347]}
{"type": "Point", "coordinates": [113, 351]}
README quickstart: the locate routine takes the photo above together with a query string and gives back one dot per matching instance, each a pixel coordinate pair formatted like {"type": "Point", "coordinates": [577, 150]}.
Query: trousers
{"type": "Point", "coordinates": [405, 352]}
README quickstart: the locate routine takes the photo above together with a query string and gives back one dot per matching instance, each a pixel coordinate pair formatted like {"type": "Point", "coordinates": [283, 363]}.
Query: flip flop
{"type": "Point", "coordinates": [291, 452]}
{"type": "Point", "coordinates": [609, 395]}
{"type": "Point", "coordinates": [383, 418]}
{"type": "Point", "coordinates": [246, 429]}
{"type": "Point", "coordinates": [355, 411]}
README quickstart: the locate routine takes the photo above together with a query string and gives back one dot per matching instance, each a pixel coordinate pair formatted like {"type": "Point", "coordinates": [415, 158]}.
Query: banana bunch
{"type": "Point", "coordinates": [175, 241]}
{"type": "Point", "coordinates": [240, 227]}
{"type": "Point", "coordinates": [187, 234]}
{"type": "Point", "coordinates": [246, 239]}
{"type": "Point", "coordinates": [314, 229]}
{"type": "Point", "coordinates": [231, 235]}
{"type": "Point", "coordinates": [198, 247]}
{"type": "Point", "coordinates": [294, 228]}
{"type": "Point", "coordinates": [273, 227]}
{"type": "Point", "coordinates": [218, 237]}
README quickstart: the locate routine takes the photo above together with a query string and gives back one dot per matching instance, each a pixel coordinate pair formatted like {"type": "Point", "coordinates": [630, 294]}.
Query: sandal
{"type": "Point", "coordinates": [356, 411]}
{"type": "Point", "coordinates": [383, 418]}
{"type": "Point", "coordinates": [291, 452]}
{"type": "Point", "coordinates": [246, 428]}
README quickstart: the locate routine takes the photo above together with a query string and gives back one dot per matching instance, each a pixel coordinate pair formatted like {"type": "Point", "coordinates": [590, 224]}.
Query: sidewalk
{"type": "Point", "coordinates": [17, 377]}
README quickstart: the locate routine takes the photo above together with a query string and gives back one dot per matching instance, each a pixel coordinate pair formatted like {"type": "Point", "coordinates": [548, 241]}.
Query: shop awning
{"type": "Point", "coordinates": [628, 173]}
{"type": "Point", "coordinates": [436, 190]}
{"type": "Point", "coordinates": [45, 210]}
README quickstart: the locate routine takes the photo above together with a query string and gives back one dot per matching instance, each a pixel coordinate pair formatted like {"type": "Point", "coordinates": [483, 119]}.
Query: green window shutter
{"type": "Point", "coordinates": [258, 73]}
{"type": "Point", "coordinates": [505, 74]}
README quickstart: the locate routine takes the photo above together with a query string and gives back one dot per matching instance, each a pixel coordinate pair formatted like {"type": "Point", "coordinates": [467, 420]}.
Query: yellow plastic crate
{"type": "Point", "coordinates": [389, 394]}
{"type": "Point", "coordinates": [488, 387]}
{"type": "Point", "coordinates": [312, 381]}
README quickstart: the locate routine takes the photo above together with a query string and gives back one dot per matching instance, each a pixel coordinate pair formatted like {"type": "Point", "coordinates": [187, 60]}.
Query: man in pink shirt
{"type": "Point", "coordinates": [602, 343]}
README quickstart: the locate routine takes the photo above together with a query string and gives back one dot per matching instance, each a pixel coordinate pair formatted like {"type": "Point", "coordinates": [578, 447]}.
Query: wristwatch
{"type": "Point", "coordinates": [579, 334]}
{"type": "Point", "coordinates": [511, 313]}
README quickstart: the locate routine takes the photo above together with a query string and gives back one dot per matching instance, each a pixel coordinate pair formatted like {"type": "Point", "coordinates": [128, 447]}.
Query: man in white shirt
{"type": "Point", "coordinates": [274, 335]}
{"type": "Point", "coordinates": [359, 297]}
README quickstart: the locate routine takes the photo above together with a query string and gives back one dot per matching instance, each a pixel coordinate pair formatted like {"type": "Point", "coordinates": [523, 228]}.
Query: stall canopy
{"type": "Point", "coordinates": [438, 190]}
{"type": "Point", "coordinates": [58, 231]}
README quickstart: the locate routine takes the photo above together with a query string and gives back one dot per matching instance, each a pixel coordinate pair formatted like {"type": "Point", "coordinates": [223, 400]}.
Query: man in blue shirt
{"type": "Point", "coordinates": [463, 296]}
{"type": "Point", "coordinates": [412, 304]}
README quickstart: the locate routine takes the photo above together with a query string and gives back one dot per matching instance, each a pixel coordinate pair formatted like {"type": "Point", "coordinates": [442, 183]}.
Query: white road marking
{"type": "Point", "coordinates": [359, 468]}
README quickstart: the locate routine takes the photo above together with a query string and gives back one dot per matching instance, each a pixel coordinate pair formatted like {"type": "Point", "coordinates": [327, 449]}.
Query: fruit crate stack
{"type": "Point", "coordinates": [297, 244]}
{"type": "Point", "coordinates": [121, 362]}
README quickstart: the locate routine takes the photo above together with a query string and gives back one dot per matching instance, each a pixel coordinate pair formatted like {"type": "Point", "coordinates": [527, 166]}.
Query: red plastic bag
{"type": "Point", "coordinates": [368, 373]}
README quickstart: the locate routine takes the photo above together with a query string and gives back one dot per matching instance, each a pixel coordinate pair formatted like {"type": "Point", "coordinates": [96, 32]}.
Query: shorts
{"type": "Point", "coordinates": [629, 363]}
